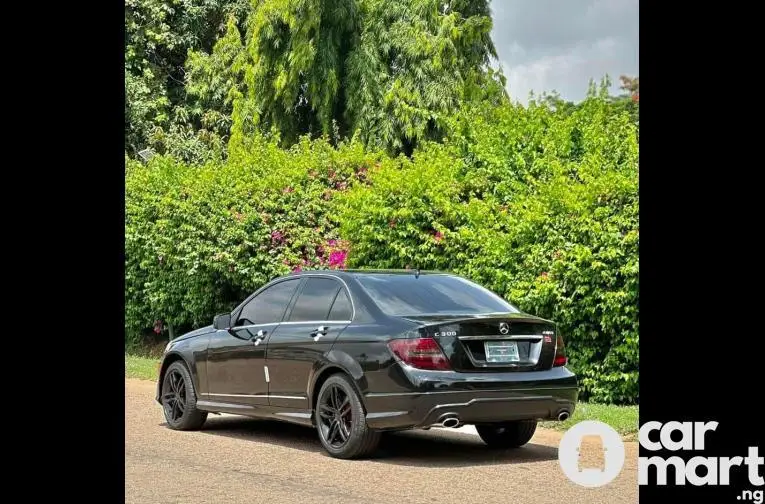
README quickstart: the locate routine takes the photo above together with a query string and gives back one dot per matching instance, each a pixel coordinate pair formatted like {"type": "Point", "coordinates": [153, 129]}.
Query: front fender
{"type": "Point", "coordinates": [167, 359]}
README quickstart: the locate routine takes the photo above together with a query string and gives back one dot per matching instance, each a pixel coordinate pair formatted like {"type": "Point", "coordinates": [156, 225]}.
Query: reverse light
{"type": "Point", "coordinates": [560, 353]}
{"type": "Point", "coordinates": [420, 353]}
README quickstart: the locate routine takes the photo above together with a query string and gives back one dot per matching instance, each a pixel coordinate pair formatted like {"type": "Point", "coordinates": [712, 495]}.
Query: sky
{"type": "Point", "coordinates": [546, 45]}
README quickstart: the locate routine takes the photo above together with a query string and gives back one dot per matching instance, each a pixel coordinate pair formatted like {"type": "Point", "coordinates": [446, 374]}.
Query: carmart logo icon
{"type": "Point", "coordinates": [591, 454]}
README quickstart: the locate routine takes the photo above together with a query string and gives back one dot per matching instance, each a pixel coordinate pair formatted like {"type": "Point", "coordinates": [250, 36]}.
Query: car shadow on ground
{"type": "Point", "coordinates": [434, 448]}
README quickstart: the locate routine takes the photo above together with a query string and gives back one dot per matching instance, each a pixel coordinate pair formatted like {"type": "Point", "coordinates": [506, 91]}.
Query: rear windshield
{"type": "Point", "coordinates": [429, 294]}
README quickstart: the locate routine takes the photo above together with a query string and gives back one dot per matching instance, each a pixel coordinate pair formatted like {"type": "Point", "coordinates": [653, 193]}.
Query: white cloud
{"type": "Point", "coordinates": [546, 45]}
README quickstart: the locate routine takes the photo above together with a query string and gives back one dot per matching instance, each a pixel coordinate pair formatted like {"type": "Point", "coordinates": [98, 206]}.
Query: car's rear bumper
{"type": "Point", "coordinates": [536, 395]}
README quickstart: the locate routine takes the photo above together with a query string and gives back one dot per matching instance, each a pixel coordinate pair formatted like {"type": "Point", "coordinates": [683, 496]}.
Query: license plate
{"type": "Point", "coordinates": [501, 351]}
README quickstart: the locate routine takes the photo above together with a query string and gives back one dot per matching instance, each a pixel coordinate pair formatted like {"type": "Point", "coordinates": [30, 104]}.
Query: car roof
{"type": "Point", "coordinates": [359, 272]}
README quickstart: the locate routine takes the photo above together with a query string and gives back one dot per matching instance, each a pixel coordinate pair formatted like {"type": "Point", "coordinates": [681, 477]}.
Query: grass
{"type": "Point", "coordinates": [624, 419]}
{"type": "Point", "coordinates": [143, 368]}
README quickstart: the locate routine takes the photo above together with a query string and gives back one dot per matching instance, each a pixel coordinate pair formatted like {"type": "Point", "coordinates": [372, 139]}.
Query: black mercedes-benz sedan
{"type": "Point", "coordinates": [354, 353]}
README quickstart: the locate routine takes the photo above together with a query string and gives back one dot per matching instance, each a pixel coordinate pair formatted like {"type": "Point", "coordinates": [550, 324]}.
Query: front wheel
{"type": "Point", "coordinates": [179, 401]}
{"type": "Point", "coordinates": [341, 422]}
{"type": "Point", "coordinates": [508, 434]}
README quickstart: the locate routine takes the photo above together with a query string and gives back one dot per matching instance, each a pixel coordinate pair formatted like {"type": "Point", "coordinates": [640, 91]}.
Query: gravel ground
{"type": "Point", "coordinates": [236, 460]}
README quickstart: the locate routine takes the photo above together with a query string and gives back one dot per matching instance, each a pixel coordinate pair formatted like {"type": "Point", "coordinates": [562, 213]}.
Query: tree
{"type": "Point", "coordinates": [158, 35]}
{"type": "Point", "coordinates": [389, 71]}
{"type": "Point", "coordinates": [632, 86]}
{"type": "Point", "coordinates": [630, 99]}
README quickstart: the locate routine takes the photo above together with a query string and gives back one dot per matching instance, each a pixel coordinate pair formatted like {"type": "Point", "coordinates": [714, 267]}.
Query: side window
{"type": "Point", "coordinates": [314, 300]}
{"type": "Point", "coordinates": [341, 308]}
{"type": "Point", "coordinates": [269, 305]}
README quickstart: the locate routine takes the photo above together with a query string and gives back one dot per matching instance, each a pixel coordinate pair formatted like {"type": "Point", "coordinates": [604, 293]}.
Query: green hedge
{"type": "Point", "coordinates": [200, 238]}
{"type": "Point", "coordinates": [540, 206]}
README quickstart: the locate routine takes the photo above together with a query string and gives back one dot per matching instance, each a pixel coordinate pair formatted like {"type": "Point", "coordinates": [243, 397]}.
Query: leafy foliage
{"type": "Point", "coordinates": [158, 35]}
{"type": "Point", "coordinates": [389, 71]}
{"type": "Point", "coordinates": [198, 239]}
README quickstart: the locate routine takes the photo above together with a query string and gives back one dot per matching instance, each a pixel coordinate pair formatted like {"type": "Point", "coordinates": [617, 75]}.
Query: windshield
{"type": "Point", "coordinates": [399, 295]}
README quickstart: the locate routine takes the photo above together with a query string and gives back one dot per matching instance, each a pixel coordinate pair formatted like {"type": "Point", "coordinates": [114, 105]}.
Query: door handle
{"type": "Point", "coordinates": [319, 332]}
{"type": "Point", "coordinates": [259, 336]}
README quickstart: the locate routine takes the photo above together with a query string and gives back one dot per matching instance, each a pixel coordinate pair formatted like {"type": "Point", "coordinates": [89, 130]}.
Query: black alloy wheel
{"type": "Point", "coordinates": [179, 401]}
{"type": "Point", "coordinates": [341, 420]}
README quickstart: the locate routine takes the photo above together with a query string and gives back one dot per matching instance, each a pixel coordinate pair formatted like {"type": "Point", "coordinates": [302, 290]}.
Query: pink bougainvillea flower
{"type": "Point", "coordinates": [337, 258]}
{"type": "Point", "coordinates": [438, 236]}
{"type": "Point", "coordinates": [297, 269]}
{"type": "Point", "coordinates": [341, 185]}
{"type": "Point", "coordinates": [276, 237]}
{"type": "Point", "coordinates": [332, 243]}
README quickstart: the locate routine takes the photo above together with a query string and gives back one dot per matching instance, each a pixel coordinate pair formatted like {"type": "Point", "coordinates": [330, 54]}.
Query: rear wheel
{"type": "Point", "coordinates": [179, 401]}
{"type": "Point", "coordinates": [341, 422]}
{"type": "Point", "coordinates": [508, 434]}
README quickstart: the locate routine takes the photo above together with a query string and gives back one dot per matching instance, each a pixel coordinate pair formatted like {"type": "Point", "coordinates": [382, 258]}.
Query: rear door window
{"type": "Point", "coordinates": [315, 299]}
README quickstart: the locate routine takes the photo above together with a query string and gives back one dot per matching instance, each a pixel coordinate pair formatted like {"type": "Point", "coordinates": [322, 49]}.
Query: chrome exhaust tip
{"type": "Point", "coordinates": [450, 423]}
{"type": "Point", "coordinates": [563, 416]}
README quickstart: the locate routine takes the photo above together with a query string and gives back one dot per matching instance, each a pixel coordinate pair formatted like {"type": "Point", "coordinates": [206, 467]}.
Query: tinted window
{"type": "Point", "coordinates": [409, 295]}
{"type": "Point", "coordinates": [314, 300]}
{"type": "Point", "coordinates": [269, 305]}
{"type": "Point", "coordinates": [341, 308]}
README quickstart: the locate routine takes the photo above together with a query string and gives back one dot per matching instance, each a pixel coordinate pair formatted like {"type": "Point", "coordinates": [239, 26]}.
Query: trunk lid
{"type": "Point", "coordinates": [492, 342]}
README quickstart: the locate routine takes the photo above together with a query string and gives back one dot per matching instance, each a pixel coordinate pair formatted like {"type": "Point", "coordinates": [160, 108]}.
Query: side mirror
{"type": "Point", "coordinates": [222, 321]}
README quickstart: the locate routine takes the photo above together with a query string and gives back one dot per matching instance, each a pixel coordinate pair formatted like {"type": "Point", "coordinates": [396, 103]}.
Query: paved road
{"type": "Point", "coordinates": [237, 460]}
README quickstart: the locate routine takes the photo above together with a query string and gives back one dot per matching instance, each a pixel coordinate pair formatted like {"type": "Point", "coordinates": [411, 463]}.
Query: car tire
{"type": "Point", "coordinates": [341, 421]}
{"type": "Point", "coordinates": [179, 400]}
{"type": "Point", "coordinates": [508, 434]}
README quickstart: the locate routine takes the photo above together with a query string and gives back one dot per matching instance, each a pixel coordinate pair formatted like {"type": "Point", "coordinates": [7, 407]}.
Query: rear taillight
{"type": "Point", "coordinates": [560, 353]}
{"type": "Point", "coordinates": [420, 353]}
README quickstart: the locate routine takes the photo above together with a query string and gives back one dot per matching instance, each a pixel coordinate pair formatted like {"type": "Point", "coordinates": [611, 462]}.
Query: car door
{"type": "Point", "coordinates": [318, 315]}
{"type": "Point", "coordinates": [236, 371]}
